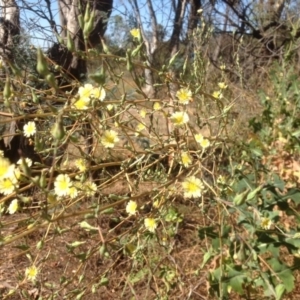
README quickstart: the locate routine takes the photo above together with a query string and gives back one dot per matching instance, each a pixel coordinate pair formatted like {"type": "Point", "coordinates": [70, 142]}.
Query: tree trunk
{"type": "Point", "coordinates": [73, 63]}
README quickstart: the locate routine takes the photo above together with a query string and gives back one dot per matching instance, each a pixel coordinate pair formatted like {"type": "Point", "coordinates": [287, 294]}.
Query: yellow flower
{"type": "Point", "coordinates": [13, 206]}
{"type": "Point", "coordinates": [136, 33]}
{"type": "Point", "coordinates": [73, 192]}
{"type": "Point", "coordinates": [199, 138]}
{"type": "Point", "coordinates": [131, 207]}
{"type": "Point", "coordinates": [143, 113]}
{"type": "Point", "coordinates": [184, 96]}
{"type": "Point", "coordinates": [29, 129]}
{"type": "Point", "coordinates": [81, 164]}
{"type": "Point", "coordinates": [140, 127]}
{"type": "Point", "coordinates": [109, 138]}
{"type": "Point", "coordinates": [217, 94]}
{"type": "Point", "coordinates": [31, 273]}
{"type": "Point", "coordinates": [156, 106]}
{"type": "Point", "coordinates": [82, 103]}
{"type": "Point", "coordinates": [186, 159]}
{"type": "Point", "coordinates": [98, 93]}
{"type": "Point", "coordinates": [62, 185]}
{"type": "Point", "coordinates": [221, 179]}
{"type": "Point", "coordinates": [265, 223]}
{"type": "Point", "coordinates": [179, 118]}
{"type": "Point", "coordinates": [205, 143]}
{"type": "Point", "coordinates": [150, 224]}
{"type": "Point", "coordinates": [222, 85]}
{"type": "Point", "coordinates": [7, 186]}
{"type": "Point", "coordinates": [90, 188]}
{"type": "Point", "coordinates": [27, 160]}
{"type": "Point", "coordinates": [4, 166]}
{"type": "Point", "coordinates": [192, 187]}
{"type": "Point", "coordinates": [1, 153]}
{"type": "Point", "coordinates": [109, 107]}
{"type": "Point", "coordinates": [85, 91]}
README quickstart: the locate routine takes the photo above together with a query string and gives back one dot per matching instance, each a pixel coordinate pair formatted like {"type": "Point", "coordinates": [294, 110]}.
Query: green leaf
{"type": "Point", "coordinates": [288, 279]}
{"type": "Point", "coordinates": [237, 282]}
{"type": "Point", "coordinates": [253, 193]}
{"type": "Point", "coordinates": [206, 257]}
{"type": "Point", "coordinates": [293, 194]}
{"type": "Point", "coordinates": [279, 290]}
{"type": "Point", "coordinates": [134, 278]}
{"type": "Point", "coordinates": [240, 198]}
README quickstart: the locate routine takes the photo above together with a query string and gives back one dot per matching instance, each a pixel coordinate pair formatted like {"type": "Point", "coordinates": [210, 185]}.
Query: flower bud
{"type": "Point", "coordinates": [7, 90]}
{"type": "Point", "coordinates": [58, 131]}
{"type": "Point", "coordinates": [42, 66]}
{"type": "Point", "coordinates": [70, 42]}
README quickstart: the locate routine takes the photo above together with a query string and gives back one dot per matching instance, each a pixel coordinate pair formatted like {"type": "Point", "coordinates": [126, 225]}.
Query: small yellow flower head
{"type": "Point", "coordinates": [98, 93]}
{"type": "Point", "coordinates": [109, 107]}
{"type": "Point", "coordinates": [265, 223]}
{"type": "Point", "coordinates": [7, 186]}
{"type": "Point", "coordinates": [62, 185]}
{"type": "Point", "coordinates": [29, 129]}
{"type": "Point", "coordinates": [222, 85]}
{"type": "Point", "coordinates": [223, 67]}
{"type": "Point", "coordinates": [199, 137]}
{"type": "Point", "coordinates": [192, 187]}
{"type": "Point", "coordinates": [143, 113]}
{"type": "Point", "coordinates": [136, 33]}
{"type": "Point", "coordinates": [150, 224]}
{"type": "Point", "coordinates": [131, 207]}
{"type": "Point", "coordinates": [109, 138]}
{"type": "Point", "coordinates": [81, 164]}
{"type": "Point", "coordinates": [1, 153]}
{"type": "Point", "coordinates": [90, 188]}
{"type": "Point", "coordinates": [205, 143]}
{"type": "Point", "coordinates": [13, 206]}
{"type": "Point", "coordinates": [85, 91]}
{"type": "Point", "coordinates": [186, 159]}
{"type": "Point", "coordinates": [184, 96]}
{"type": "Point", "coordinates": [221, 179]}
{"type": "Point", "coordinates": [179, 118]}
{"type": "Point", "coordinates": [27, 160]}
{"type": "Point", "coordinates": [31, 273]}
{"type": "Point", "coordinates": [140, 127]}
{"type": "Point", "coordinates": [156, 106]}
{"type": "Point", "coordinates": [4, 166]}
{"type": "Point", "coordinates": [82, 103]}
{"type": "Point", "coordinates": [73, 192]}
{"type": "Point", "coordinates": [217, 94]}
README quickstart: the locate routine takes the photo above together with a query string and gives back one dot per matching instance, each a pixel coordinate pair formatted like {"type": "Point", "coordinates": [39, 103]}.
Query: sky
{"type": "Point", "coordinates": [40, 33]}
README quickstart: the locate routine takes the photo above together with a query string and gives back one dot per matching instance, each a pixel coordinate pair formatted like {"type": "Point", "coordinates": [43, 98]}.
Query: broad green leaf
{"type": "Point", "coordinates": [279, 290]}
{"type": "Point", "coordinates": [237, 282]}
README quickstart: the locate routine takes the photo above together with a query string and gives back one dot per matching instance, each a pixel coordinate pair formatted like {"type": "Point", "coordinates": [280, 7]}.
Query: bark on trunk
{"type": "Point", "coordinates": [69, 10]}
